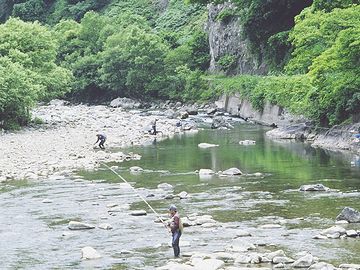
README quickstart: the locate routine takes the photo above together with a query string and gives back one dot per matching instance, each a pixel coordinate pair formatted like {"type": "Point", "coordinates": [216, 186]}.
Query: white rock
{"type": "Point", "coordinates": [322, 266]}
{"type": "Point", "coordinates": [247, 142]}
{"type": "Point", "coordinates": [319, 236]}
{"type": "Point", "coordinates": [183, 195]}
{"type": "Point", "coordinates": [279, 259]}
{"type": "Point", "coordinates": [89, 253]}
{"type": "Point", "coordinates": [351, 233]}
{"type": "Point", "coordinates": [303, 262]}
{"type": "Point", "coordinates": [333, 230]}
{"type": "Point", "coordinates": [224, 256]}
{"type": "Point", "coordinates": [207, 145]}
{"type": "Point", "coordinates": [209, 264]}
{"type": "Point", "coordinates": [347, 266]}
{"type": "Point", "coordinates": [105, 226]}
{"type": "Point", "coordinates": [206, 172]}
{"type": "Point", "coordinates": [270, 226]}
{"type": "Point", "coordinates": [75, 225]}
{"type": "Point", "coordinates": [165, 186]}
{"type": "Point", "coordinates": [278, 253]}
{"type": "Point", "coordinates": [242, 233]}
{"type": "Point", "coordinates": [231, 172]}
{"type": "Point", "coordinates": [136, 169]}
{"type": "Point", "coordinates": [138, 213]}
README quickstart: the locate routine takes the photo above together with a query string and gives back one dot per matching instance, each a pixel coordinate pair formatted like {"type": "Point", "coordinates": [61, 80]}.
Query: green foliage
{"type": "Point", "coordinates": [131, 61]}
{"type": "Point", "coordinates": [30, 10]}
{"type": "Point", "coordinates": [71, 9]}
{"type": "Point", "coordinates": [328, 6]}
{"type": "Point", "coordinates": [287, 91]}
{"type": "Point", "coordinates": [278, 50]}
{"type": "Point", "coordinates": [143, 8]}
{"type": "Point", "coordinates": [226, 15]}
{"type": "Point", "coordinates": [27, 70]}
{"type": "Point", "coordinates": [227, 62]}
{"type": "Point", "coordinates": [336, 73]}
{"type": "Point", "coordinates": [314, 32]}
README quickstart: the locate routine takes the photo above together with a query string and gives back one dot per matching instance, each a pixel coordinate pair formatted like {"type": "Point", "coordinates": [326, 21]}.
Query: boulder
{"type": "Point", "coordinates": [125, 103]}
{"type": "Point", "coordinates": [303, 262]}
{"type": "Point", "coordinates": [333, 230]}
{"type": "Point", "coordinates": [220, 122]}
{"type": "Point", "coordinates": [349, 214]}
{"type": "Point", "coordinates": [316, 187]}
{"type": "Point", "coordinates": [351, 233]}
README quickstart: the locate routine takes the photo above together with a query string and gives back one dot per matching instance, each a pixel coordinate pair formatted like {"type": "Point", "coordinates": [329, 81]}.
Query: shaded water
{"type": "Point", "coordinates": [31, 232]}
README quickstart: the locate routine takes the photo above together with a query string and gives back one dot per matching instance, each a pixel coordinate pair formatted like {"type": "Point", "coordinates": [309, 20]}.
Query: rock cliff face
{"type": "Point", "coordinates": [5, 9]}
{"type": "Point", "coordinates": [225, 38]}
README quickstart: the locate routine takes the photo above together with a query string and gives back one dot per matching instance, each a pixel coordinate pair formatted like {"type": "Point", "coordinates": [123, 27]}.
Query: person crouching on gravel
{"type": "Point", "coordinates": [102, 139]}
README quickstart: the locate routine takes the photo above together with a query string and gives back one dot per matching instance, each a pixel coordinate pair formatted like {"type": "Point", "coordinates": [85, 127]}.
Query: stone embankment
{"type": "Point", "coordinates": [65, 140]}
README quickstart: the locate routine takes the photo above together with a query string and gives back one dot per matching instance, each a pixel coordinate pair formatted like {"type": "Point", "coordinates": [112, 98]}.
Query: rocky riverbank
{"type": "Point", "coordinates": [292, 127]}
{"type": "Point", "coordinates": [65, 140]}
{"type": "Point", "coordinates": [336, 138]}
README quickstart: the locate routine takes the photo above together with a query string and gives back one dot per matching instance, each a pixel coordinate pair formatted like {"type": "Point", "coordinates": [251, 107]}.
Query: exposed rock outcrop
{"type": "Point", "coordinates": [225, 39]}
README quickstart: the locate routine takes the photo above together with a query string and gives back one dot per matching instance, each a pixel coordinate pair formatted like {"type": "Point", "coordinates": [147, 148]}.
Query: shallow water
{"type": "Point", "coordinates": [31, 231]}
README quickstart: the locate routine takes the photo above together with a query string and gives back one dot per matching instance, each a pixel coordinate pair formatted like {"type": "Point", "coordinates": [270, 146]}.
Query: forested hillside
{"type": "Point", "coordinates": [94, 50]}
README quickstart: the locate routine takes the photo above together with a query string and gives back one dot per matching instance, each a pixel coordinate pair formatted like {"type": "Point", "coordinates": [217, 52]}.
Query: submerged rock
{"type": "Point", "coordinates": [349, 214]}
{"type": "Point", "coordinates": [247, 142]}
{"type": "Point", "coordinates": [75, 225]}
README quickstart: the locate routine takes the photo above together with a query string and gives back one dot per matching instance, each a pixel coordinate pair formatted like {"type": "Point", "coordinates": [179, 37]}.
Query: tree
{"type": "Point", "coordinates": [133, 59]}
{"type": "Point", "coordinates": [29, 72]}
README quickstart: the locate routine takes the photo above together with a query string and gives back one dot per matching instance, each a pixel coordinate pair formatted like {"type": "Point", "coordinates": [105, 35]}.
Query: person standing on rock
{"type": "Point", "coordinates": [153, 127]}
{"type": "Point", "coordinates": [102, 139]}
{"type": "Point", "coordinates": [176, 228]}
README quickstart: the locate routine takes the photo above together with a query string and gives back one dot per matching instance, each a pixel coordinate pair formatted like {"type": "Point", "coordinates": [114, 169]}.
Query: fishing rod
{"type": "Point", "coordinates": [141, 197]}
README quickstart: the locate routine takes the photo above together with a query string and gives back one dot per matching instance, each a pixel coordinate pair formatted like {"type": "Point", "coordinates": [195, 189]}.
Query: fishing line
{"type": "Point", "coordinates": [141, 197]}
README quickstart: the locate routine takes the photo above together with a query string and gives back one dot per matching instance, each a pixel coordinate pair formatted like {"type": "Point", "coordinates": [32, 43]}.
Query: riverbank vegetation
{"type": "Point", "coordinates": [95, 50]}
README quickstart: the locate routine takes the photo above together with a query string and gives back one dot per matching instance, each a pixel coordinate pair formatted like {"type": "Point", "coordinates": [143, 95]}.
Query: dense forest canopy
{"type": "Point", "coordinates": [93, 50]}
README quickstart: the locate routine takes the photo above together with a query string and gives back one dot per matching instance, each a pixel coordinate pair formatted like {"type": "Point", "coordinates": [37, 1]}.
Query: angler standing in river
{"type": "Point", "coordinates": [176, 228]}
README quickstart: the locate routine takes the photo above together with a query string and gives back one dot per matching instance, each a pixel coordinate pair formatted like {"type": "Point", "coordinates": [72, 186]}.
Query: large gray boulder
{"type": "Point", "coordinates": [125, 103]}
{"type": "Point", "coordinates": [349, 214]}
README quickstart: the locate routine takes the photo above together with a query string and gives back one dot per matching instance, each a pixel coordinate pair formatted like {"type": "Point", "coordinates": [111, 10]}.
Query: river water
{"type": "Point", "coordinates": [34, 233]}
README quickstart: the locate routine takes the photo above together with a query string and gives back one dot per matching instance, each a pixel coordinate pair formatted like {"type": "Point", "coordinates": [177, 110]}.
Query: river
{"type": "Point", "coordinates": [35, 214]}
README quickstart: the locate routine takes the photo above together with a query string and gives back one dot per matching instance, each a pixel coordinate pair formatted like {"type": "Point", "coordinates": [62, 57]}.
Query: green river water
{"type": "Point", "coordinates": [31, 232]}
